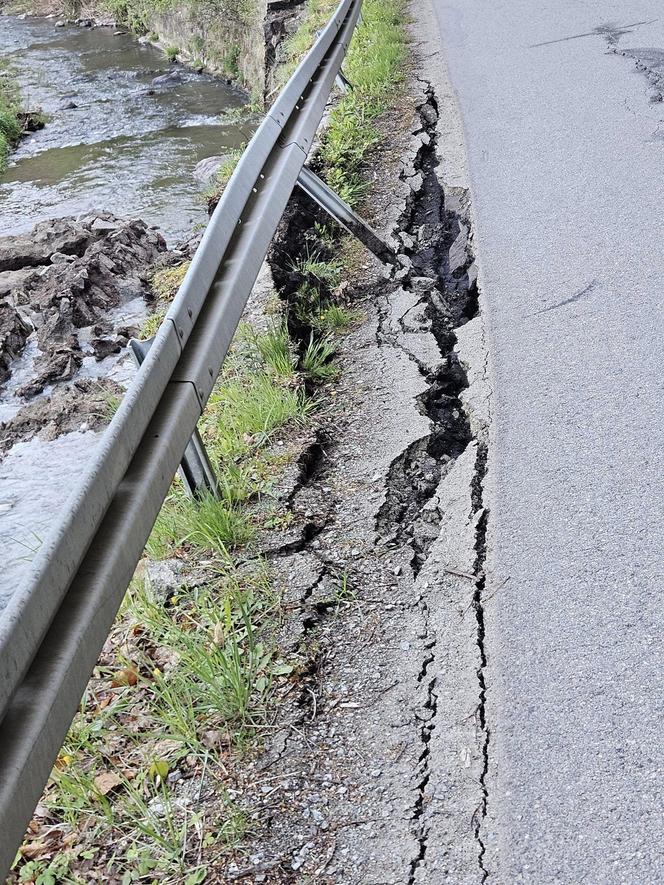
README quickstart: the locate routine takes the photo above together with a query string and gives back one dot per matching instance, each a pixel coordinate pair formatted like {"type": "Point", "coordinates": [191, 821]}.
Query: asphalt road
{"type": "Point", "coordinates": [566, 156]}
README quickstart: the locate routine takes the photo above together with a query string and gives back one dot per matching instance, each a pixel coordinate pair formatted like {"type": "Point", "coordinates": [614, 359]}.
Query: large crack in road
{"type": "Point", "coordinates": [435, 232]}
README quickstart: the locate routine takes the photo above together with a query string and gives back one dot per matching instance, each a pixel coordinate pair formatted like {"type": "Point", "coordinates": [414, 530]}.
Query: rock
{"type": "Point", "coordinates": [165, 577]}
{"type": "Point", "coordinates": [105, 224]}
{"type": "Point", "coordinates": [83, 402]}
{"type": "Point", "coordinates": [14, 331]}
{"type": "Point", "coordinates": [58, 365]}
{"type": "Point", "coordinates": [173, 78]}
{"type": "Point", "coordinates": [96, 262]}
{"type": "Point", "coordinates": [14, 279]}
{"type": "Point", "coordinates": [104, 347]}
{"type": "Point", "coordinates": [60, 258]}
{"type": "Point", "coordinates": [60, 24]}
{"type": "Point", "coordinates": [429, 114]}
{"type": "Point", "coordinates": [206, 169]}
{"type": "Point", "coordinates": [68, 106]}
{"type": "Point", "coordinates": [35, 248]}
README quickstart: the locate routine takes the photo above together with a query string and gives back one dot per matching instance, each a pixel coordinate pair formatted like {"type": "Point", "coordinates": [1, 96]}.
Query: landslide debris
{"type": "Point", "coordinates": [65, 275]}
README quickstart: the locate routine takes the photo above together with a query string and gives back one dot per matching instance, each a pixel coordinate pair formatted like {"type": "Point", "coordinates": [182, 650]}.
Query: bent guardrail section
{"type": "Point", "coordinates": [56, 624]}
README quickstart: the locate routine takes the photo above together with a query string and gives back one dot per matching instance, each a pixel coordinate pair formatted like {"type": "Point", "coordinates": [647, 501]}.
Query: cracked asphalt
{"type": "Point", "coordinates": [561, 105]}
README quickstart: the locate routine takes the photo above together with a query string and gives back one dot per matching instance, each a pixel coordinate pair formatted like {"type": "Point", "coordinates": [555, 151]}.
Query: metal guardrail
{"type": "Point", "coordinates": [52, 631]}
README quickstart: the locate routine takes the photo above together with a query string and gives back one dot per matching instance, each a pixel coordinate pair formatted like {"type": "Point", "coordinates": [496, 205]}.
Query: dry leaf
{"type": "Point", "coordinates": [126, 676]}
{"type": "Point", "coordinates": [106, 782]}
{"type": "Point", "coordinates": [35, 850]}
{"type": "Point", "coordinates": [218, 634]}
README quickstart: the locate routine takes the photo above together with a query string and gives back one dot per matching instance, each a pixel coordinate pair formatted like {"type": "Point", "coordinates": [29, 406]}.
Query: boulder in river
{"type": "Point", "coordinates": [172, 78]}
{"type": "Point", "coordinates": [206, 169]}
{"type": "Point", "coordinates": [14, 331]}
{"type": "Point", "coordinates": [81, 405]}
{"type": "Point", "coordinates": [35, 248]}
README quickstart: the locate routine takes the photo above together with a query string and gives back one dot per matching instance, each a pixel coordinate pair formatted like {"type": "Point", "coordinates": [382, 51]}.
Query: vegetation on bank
{"type": "Point", "coordinates": [224, 35]}
{"type": "Point", "coordinates": [143, 787]}
{"type": "Point", "coordinates": [11, 126]}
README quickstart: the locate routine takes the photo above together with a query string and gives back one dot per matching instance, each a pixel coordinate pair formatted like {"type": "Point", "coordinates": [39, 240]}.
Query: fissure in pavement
{"type": "Point", "coordinates": [437, 231]}
{"type": "Point", "coordinates": [438, 268]}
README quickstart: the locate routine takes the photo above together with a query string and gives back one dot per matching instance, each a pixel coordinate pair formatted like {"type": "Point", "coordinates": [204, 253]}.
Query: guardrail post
{"type": "Point", "coordinates": [196, 472]}
{"type": "Point", "coordinates": [332, 203]}
{"type": "Point", "coordinates": [343, 83]}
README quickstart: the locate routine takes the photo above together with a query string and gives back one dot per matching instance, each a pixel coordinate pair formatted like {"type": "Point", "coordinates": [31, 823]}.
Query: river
{"type": "Point", "coordinates": [115, 140]}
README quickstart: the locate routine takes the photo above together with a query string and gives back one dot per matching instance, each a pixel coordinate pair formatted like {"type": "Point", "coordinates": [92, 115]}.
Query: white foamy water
{"type": "Point", "coordinates": [36, 479]}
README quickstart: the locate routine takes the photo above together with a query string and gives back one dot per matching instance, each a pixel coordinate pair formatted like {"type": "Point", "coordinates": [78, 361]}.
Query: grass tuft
{"type": "Point", "coordinates": [317, 359]}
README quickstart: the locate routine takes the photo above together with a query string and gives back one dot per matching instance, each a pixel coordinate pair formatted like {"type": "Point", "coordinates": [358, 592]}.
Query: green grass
{"type": "Point", "coordinates": [210, 524]}
{"type": "Point", "coordinates": [337, 319]}
{"type": "Point", "coordinates": [204, 667]}
{"type": "Point", "coordinates": [274, 349]}
{"type": "Point", "coordinates": [10, 125]}
{"type": "Point", "coordinates": [324, 271]}
{"type": "Point", "coordinates": [317, 359]}
{"type": "Point", "coordinates": [375, 66]}
{"type": "Point", "coordinates": [258, 395]}
{"type": "Point", "coordinates": [166, 281]}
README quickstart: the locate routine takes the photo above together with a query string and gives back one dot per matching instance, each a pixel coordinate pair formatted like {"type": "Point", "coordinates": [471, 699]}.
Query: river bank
{"type": "Point", "coordinates": [241, 42]}
{"type": "Point", "coordinates": [127, 130]}
{"type": "Point", "coordinates": [16, 121]}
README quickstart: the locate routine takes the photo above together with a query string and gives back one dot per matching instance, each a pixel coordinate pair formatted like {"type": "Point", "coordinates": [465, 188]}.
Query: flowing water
{"type": "Point", "coordinates": [116, 140]}
{"type": "Point", "coordinates": [129, 145]}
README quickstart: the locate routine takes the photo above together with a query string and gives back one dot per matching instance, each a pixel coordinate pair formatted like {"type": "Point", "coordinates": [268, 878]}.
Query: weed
{"type": "Point", "coordinates": [171, 53]}
{"type": "Point", "coordinates": [244, 411]}
{"type": "Point", "coordinates": [216, 188]}
{"type": "Point", "coordinates": [327, 273]}
{"type": "Point", "coordinates": [111, 403]}
{"type": "Point", "coordinates": [337, 319]}
{"type": "Point", "coordinates": [275, 350]}
{"type": "Point", "coordinates": [344, 592]}
{"type": "Point", "coordinates": [209, 524]}
{"type": "Point", "coordinates": [10, 126]}
{"type": "Point", "coordinates": [316, 361]}
{"type": "Point", "coordinates": [374, 65]}
{"type": "Point", "coordinates": [151, 324]}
